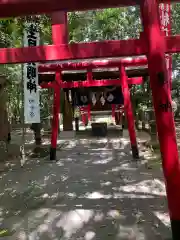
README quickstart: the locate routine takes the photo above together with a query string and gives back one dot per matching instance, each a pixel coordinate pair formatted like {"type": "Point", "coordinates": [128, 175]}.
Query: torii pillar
{"type": "Point", "coordinates": [59, 36]}
{"type": "Point", "coordinates": [163, 109]}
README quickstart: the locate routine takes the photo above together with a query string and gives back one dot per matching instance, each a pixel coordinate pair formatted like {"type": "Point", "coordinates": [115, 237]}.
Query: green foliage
{"type": "Point", "coordinates": [108, 24]}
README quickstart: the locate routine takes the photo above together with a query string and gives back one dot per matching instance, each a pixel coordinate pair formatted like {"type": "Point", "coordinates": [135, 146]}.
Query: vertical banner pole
{"type": "Point", "coordinates": [83, 116]}
{"type": "Point", "coordinates": [31, 96]}
{"type": "Point", "coordinates": [22, 150]}
{"type": "Point", "coordinates": [31, 85]}
{"type": "Point", "coordinates": [129, 112]}
{"type": "Point", "coordinates": [163, 109]}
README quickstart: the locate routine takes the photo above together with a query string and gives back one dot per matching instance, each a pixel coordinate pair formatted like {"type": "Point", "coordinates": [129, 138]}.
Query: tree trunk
{"type": "Point", "coordinates": [4, 123]}
{"type": "Point", "coordinates": [67, 115]}
{"type": "Point", "coordinates": [36, 127]}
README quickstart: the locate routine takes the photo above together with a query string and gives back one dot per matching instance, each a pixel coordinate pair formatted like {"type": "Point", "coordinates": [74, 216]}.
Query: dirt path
{"type": "Point", "coordinates": [93, 192]}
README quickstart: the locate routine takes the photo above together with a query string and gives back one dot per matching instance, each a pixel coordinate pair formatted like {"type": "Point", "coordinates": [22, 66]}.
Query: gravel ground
{"type": "Point", "coordinates": [93, 192]}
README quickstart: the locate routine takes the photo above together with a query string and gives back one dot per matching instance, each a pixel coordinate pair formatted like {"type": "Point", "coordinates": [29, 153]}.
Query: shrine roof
{"type": "Point", "coordinates": [96, 69]}
{"type": "Point", "coordinates": [137, 72]}
{"type": "Point", "coordinates": [98, 73]}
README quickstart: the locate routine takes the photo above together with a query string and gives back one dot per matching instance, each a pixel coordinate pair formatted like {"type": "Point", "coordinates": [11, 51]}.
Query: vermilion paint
{"type": "Point", "coordinates": [89, 112]}
{"type": "Point", "coordinates": [59, 28]}
{"type": "Point", "coordinates": [59, 36]}
{"type": "Point", "coordinates": [164, 116]}
{"type": "Point", "coordinates": [83, 114]}
{"type": "Point", "coordinates": [129, 112]}
{"type": "Point", "coordinates": [55, 121]}
{"type": "Point", "coordinates": [14, 8]}
{"type": "Point", "coordinates": [121, 48]}
{"type": "Point", "coordinates": [89, 65]}
{"type": "Point", "coordinates": [94, 83]}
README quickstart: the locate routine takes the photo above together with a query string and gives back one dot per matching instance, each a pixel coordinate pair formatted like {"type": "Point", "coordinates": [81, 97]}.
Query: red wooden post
{"type": "Point", "coordinates": [59, 28]}
{"type": "Point", "coordinates": [163, 110]}
{"type": "Point", "coordinates": [59, 36]}
{"type": "Point", "coordinates": [55, 121]}
{"type": "Point", "coordinates": [129, 112]}
{"type": "Point", "coordinates": [83, 115]}
{"type": "Point", "coordinates": [89, 112]}
{"type": "Point", "coordinates": [89, 77]}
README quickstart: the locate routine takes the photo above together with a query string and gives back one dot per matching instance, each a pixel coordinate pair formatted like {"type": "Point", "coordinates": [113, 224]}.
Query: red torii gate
{"type": "Point", "coordinates": [90, 82]}
{"type": "Point", "coordinates": [152, 43]}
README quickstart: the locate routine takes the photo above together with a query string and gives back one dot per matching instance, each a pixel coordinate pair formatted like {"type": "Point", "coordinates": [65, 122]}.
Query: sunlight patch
{"type": "Point", "coordinates": [71, 144]}
{"type": "Point", "coordinates": [123, 154]}
{"type": "Point", "coordinates": [103, 161]}
{"type": "Point", "coordinates": [106, 183]}
{"type": "Point", "coordinates": [22, 235]}
{"type": "Point", "coordinates": [163, 217]}
{"type": "Point", "coordinates": [131, 233]}
{"type": "Point", "coordinates": [131, 196]}
{"type": "Point", "coordinates": [43, 228]}
{"type": "Point", "coordinates": [72, 221]}
{"type": "Point", "coordinates": [1, 211]}
{"type": "Point", "coordinates": [98, 217]}
{"type": "Point", "coordinates": [89, 235]}
{"type": "Point", "coordinates": [115, 214]}
{"type": "Point", "coordinates": [59, 163]}
{"type": "Point", "coordinates": [123, 167]}
{"type": "Point", "coordinates": [45, 195]}
{"type": "Point", "coordinates": [71, 195]}
{"type": "Point", "coordinates": [97, 195]}
{"type": "Point", "coordinates": [46, 216]}
{"type": "Point", "coordinates": [154, 186]}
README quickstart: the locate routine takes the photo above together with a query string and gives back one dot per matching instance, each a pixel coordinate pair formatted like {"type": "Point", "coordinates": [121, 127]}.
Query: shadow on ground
{"type": "Point", "coordinates": [94, 191]}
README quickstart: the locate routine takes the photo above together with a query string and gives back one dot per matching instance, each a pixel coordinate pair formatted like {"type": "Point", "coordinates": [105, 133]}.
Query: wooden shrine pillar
{"type": "Point", "coordinates": [59, 36]}
{"type": "Point", "coordinates": [163, 109]}
{"type": "Point", "coordinates": [129, 112]}
{"type": "Point", "coordinates": [4, 123]}
{"type": "Point", "coordinates": [59, 28]}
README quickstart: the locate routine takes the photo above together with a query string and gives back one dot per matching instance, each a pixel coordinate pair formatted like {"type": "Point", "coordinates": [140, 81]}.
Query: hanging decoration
{"type": "Point", "coordinates": [70, 96]}
{"type": "Point", "coordinates": [30, 74]}
{"type": "Point", "coordinates": [81, 98]}
{"type": "Point", "coordinates": [94, 99]}
{"type": "Point", "coordinates": [84, 99]}
{"type": "Point", "coordinates": [102, 100]}
{"type": "Point", "coordinates": [108, 96]}
{"type": "Point", "coordinates": [115, 96]}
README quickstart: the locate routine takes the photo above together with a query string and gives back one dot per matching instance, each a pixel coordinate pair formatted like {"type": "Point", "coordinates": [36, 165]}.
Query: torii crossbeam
{"type": "Point", "coordinates": [11, 8]}
{"type": "Point", "coordinates": [103, 49]}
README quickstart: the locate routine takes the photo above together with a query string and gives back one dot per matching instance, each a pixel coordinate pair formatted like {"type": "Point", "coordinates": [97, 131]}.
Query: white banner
{"type": "Point", "coordinates": [31, 87]}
